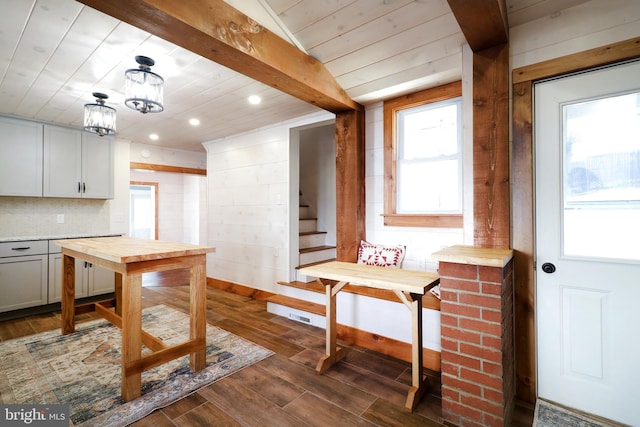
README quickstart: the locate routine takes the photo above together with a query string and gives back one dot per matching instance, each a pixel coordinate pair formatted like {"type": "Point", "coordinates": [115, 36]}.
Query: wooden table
{"type": "Point", "coordinates": [129, 258]}
{"type": "Point", "coordinates": [408, 285]}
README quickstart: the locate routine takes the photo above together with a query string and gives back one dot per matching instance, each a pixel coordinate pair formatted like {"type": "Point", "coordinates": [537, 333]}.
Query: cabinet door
{"type": "Point", "coordinates": [55, 278]}
{"type": "Point", "coordinates": [20, 158]}
{"type": "Point", "coordinates": [101, 280]}
{"type": "Point", "coordinates": [97, 166]}
{"type": "Point", "coordinates": [23, 282]}
{"type": "Point", "coordinates": [62, 162]}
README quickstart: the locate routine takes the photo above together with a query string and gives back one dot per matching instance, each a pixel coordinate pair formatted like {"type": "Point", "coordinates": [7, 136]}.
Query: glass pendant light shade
{"type": "Point", "coordinates": [98, 118]}
{"type": "Point", "coordinates": [144, 89]}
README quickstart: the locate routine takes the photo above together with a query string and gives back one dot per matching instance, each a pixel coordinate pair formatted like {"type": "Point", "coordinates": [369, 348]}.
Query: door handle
{"type": "Point", "coordinates": [549, 268]}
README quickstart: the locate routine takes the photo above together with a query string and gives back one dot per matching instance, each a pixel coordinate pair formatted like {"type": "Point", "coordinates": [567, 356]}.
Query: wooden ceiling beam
{"type": "Point", "coordinates": [217, 31]}
{"type": "Point", "coordinates": [483, 22]}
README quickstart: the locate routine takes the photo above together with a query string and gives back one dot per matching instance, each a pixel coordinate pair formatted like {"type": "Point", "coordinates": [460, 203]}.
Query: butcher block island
{"type": "Point", "coordinates": [129, 258]}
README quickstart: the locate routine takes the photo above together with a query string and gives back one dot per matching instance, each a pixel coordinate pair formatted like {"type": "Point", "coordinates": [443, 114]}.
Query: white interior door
{"type": "Point", "coordinates": [587, 139]}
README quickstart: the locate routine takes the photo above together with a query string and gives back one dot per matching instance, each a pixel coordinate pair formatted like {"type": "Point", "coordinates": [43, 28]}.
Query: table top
{"type": "Point", "coordinates": [124, 250]}
{"type": "Point", "coordinates": [417, 282]}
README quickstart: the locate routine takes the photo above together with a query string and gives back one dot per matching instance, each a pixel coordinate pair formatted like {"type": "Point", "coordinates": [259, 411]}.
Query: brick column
{"type": "Point", "coordinates": [478, 362]}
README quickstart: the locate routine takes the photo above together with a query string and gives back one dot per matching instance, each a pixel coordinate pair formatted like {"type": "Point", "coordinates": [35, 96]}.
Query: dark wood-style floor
{"type": "Point", "coordinates": [365, 388]}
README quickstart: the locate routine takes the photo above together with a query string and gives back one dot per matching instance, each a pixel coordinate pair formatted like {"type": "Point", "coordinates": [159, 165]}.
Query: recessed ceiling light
{"type": "Point", "coordinates": [194, 122]}
{"type": "Point", "coordinates": [154, 137]}
{"type": "Point", "coordinates": [255, 99]}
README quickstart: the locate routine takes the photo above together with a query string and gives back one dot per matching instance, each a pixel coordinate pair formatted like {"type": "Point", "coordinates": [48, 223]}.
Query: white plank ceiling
{"type": "Point", "coordinates": [55, 53]}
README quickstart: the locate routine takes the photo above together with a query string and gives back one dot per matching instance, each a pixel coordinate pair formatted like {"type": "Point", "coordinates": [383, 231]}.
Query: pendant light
{"type": "Point", "coordinates": [98, 118]}
{"type": "Point", "coordinates": [143, 88]}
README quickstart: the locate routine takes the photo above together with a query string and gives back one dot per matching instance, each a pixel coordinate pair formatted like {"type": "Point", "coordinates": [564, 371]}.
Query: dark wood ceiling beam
{"type": "Point", "coordinates": [217, 31]}
{"type": "Point", "coordinates": [483, 22]}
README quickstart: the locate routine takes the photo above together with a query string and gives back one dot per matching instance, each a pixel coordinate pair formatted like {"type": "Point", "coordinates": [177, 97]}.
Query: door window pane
{"type": "Point", "coordinates": [601, 178]}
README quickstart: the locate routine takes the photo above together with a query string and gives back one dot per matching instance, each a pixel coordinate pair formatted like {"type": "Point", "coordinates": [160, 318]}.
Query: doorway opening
{"type": "Point", "coordinates": [143, 216]}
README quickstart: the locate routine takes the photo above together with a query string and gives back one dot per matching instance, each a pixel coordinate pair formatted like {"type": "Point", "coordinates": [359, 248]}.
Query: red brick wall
{"type": "Point", "coordinates": [478, 365]}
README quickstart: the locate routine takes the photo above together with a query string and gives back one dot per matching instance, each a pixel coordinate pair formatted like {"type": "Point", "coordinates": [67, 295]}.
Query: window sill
{"type": "Point", "coordinates": [435, 221]}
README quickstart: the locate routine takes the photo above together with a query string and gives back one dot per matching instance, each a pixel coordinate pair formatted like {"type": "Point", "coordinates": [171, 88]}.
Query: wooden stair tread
{"type": "Point", "coordinates": [309, 233]}
{"type": "Point", "coordinates": [315, 249]}
{"type": "Point", "coordinates": [429, 300]}
{"type": "Point", "coordinates": [310, 264]}
{"type": "Point", "coordinates": [309, 307]}
{"type": "Point", "coordinates": [308, 219]}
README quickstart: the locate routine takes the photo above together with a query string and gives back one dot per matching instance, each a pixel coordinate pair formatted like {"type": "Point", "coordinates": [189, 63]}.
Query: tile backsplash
{"type": "Point", "coordinates": [32, 216]}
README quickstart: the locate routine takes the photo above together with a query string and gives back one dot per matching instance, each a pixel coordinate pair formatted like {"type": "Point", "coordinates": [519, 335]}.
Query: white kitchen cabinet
{"type": "Point", "coordinates": [100, 280]}
{"type": "Point", "coordinates": [55, 278]}
{"type": "Point", "coordinates": [97, 166]}
{"type": "Point", "coordinates": [77, 164]}
{"type": "Point", "coordinates": [90, 279]}
{"type": "Point", "coordinates": [20, 158]}
{"type": "Point", "coordinates": [23, 274]}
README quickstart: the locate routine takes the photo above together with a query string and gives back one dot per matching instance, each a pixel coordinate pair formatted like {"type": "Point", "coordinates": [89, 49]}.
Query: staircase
{"type": "Point", "coordinates": [312, 243]}
{"type": "Point", "coordinates": [303, 299]}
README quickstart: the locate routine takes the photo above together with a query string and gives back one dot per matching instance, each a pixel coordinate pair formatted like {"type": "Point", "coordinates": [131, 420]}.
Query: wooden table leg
{"type": "Point", "coordinates": [118, 292]}
{"type": "Point", "coordinates": [68, 294]}
{"type": "Point", "coordinates": [418, 382]}
{"type": "Point", "coordinates": [198, 306]}
{"type": "Point", "coordinates": [131, 336]}
{"type": "Point", "coordinates": [333, 352]}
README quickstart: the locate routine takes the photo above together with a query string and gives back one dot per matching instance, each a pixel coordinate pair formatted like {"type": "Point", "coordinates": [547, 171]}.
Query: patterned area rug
{"type": "Point", "coordinates": [550, 415]}
{"type": "Point", "coordinates": [83, 369]}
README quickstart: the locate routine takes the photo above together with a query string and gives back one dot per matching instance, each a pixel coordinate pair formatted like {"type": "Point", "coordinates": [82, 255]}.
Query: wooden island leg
{"type": "Point", "coordinates": [131, 336]}
{"type": "Point", "coordinates": [118, 292]}
{"type": "Point", "coordinates": [333, 352]}
{"type": "Point", "coordinates": [198, 314]}
{"type": "Point", "coordinates": [68, 295]}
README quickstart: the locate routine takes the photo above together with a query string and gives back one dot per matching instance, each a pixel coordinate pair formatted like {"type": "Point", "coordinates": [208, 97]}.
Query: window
{"type": "Point", "coordinates": [143, 217]}
{"type": "Point", "coordinates": [423, 158]}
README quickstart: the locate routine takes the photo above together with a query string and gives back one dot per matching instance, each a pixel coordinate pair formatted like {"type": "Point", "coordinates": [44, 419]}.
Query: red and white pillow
{"type": "Point", "coordinates": [381, 256]}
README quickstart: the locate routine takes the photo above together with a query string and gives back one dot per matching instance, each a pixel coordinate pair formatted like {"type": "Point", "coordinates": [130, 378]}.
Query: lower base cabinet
{"type": "Point", "coordinates": [24, 282]}
{"type": "Point", "coordinates": [31, 275]}
{"type": "Point", "coordinates": [90, 279]}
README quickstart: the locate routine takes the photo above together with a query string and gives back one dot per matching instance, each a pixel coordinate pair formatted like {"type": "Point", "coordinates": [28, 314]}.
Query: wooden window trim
{"type": "Point", "coordinates": [391, 107]}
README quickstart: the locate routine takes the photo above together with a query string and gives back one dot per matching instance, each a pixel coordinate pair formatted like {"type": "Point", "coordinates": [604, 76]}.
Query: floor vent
{"type": "Point", "coordinates": [299, 318]}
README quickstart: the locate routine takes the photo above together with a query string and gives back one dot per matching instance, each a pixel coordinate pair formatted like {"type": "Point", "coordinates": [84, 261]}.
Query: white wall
{"type": "Point", "coordinates": [249, 197]}
{"type": "Point", "coordinates": [153, 154]}
{"type": "Point", "coordinates": [182, 198]}
{"type": "Point", "coordinates": [181, 205]}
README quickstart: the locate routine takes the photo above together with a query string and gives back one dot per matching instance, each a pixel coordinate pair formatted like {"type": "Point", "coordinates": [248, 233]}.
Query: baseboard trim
{"type": "Point", "coordinates": [388, 346]}
{"type": "Point", "coordinates": [237, 288]}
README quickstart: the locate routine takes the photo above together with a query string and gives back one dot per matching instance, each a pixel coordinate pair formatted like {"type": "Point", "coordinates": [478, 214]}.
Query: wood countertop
{"type": "Point", "coordinates": [417, 282]}
{"type": "Point", "coordinates": [124, 250]}
{"type": "Point", "coordinates": [471, 255]}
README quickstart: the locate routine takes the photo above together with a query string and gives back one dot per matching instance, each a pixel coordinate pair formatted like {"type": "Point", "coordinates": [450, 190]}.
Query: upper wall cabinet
{"type": "Point", "coordinates": [77, 164]}
{"type": "Point", "coordinates": [97, 166]}
{"type": "Point", "coordinates": [20, 158]}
